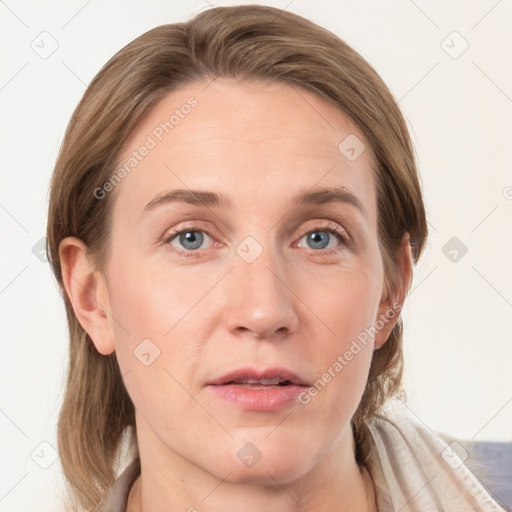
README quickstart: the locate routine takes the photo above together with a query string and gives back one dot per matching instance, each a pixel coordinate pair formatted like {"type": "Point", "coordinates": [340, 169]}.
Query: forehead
{"type": "Point", "coordinates": [260, 137]}
{"type": "Point", "coordinates": [251, 111]}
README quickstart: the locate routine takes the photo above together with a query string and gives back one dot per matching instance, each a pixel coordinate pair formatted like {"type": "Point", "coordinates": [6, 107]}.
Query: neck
{"type": "Point", "coordinates": [169, 482]}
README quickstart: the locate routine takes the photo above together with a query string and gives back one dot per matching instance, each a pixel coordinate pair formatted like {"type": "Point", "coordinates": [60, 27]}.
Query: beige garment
{"type": "Point", "coordinates": [412, 468]}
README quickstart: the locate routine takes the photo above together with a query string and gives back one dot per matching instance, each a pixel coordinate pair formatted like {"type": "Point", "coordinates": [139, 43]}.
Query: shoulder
{"type": "Point", "coordinates": [415, 469]}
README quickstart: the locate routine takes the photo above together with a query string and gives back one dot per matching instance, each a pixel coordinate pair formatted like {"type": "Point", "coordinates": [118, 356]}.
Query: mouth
{"type": "Point", "coordinates": [263, 377]}
{"type": "Point", "coordinates": [268, 389]}
{"type": "Point", "coordinates": [260, 383]}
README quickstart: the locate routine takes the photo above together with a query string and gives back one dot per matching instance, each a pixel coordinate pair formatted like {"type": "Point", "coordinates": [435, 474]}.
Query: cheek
{"type": "Point", "coordinates": [158, 315]}
{"type": "Point", "coordinates": [150, 302]}
{"type": "Point", "coordinates": [151, 312]}
{"type": "Point", "coordinates": [346, 302]}
{"type": "Point", "coordinates": [347, 307]}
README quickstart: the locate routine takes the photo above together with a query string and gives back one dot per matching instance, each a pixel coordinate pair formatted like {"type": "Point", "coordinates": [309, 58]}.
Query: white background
{"type": "Point", "coordinates": [458, 329]}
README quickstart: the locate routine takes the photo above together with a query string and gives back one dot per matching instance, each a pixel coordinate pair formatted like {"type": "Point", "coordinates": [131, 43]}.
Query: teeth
{"type": "Point", "coordinates": [264, 382]}
{"type": "Point", "coordinates": [270, 382]}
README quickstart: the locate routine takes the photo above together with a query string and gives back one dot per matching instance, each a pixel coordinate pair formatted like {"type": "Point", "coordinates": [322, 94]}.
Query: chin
{"type": "Point", "coordinates": [269, 473]}
{"type": "Point", "coordinates": [264, 461]}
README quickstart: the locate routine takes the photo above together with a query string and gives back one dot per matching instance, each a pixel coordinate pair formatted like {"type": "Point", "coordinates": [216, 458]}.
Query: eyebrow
{"type": "Point", "coordinates": [338, 194]}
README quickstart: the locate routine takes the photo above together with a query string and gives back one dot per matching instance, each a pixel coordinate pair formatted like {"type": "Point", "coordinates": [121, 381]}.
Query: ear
{"type": "Point", "coordinates": [87, 290]}
{"type": "Point", "coordinates": [393, 300]}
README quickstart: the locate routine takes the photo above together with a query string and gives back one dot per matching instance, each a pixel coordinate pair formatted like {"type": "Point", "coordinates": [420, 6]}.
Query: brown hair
{"type": "Point", "coordinates": [244, 42]}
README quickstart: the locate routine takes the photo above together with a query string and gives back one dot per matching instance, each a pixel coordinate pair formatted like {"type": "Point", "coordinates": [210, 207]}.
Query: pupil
{"type": "Point", "coordinates": [191, 239]}
{"type": "Point", "coordinates": [317, 237]}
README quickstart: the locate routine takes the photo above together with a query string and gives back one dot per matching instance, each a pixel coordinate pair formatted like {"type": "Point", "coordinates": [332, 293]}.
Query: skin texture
{"type": "Point", "coordinates": [296, 305]}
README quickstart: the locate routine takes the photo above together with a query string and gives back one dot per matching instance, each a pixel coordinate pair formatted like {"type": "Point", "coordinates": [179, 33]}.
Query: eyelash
{"type": "Point", "coordinates": [328, 227]}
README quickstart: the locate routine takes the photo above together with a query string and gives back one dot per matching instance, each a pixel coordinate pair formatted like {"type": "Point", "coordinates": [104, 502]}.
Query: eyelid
{"type": "Point", "coordinates": [190, 226]}
{"type": "Point", "coordinates": [327, 225]}
{"type": "Point", "coordinates": [324, 225]}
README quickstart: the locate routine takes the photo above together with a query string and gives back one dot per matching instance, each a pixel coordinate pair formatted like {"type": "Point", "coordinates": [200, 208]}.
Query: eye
{"type": "Point", "coordinates": [189, 239]}
{"type": "Point", "coordinates": [319, 239]}
{"type": "Point", "coordinates": [324, 238]}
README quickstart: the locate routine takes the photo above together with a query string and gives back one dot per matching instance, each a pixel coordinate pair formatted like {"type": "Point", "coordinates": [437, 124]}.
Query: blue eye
{"type": "Point", "coordinates": [189, 239]}
{"type": "Point", "coordinates": [320, 239]}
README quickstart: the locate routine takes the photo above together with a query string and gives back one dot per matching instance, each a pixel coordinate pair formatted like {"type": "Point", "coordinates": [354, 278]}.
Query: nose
{"type": "Point", "coordinates": [261, 303]}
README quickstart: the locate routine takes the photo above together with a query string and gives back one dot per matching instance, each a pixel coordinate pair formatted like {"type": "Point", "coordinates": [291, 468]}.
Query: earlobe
{"type": "Point", "coordinates": [87, 291]}
{"type": "Point", "coordinates": [393, 300]}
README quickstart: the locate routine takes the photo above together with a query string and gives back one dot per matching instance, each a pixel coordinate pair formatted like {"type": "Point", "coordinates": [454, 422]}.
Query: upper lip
{"type": "Point", "coordinates": [255, 375]}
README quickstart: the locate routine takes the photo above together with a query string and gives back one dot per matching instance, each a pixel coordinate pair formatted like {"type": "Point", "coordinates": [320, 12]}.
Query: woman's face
{"type": "Point", "coordinates": [259, 288]}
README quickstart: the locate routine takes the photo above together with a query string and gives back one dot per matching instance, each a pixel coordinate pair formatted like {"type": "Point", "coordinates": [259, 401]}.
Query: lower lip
{"type": "Point", "coordinates": [271, 398]}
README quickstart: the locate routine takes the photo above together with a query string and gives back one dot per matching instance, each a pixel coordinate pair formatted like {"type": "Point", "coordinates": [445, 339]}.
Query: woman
{"type": "Point", "coordinates": [234, 217]}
